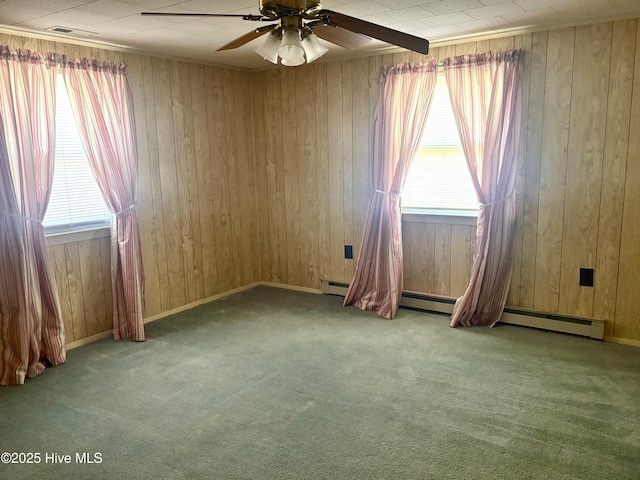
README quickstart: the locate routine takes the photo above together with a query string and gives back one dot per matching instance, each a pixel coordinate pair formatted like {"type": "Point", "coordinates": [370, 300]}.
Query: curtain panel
{"type": "Point", "coordinates": [406, 93]}
{"type": "Point", "coordinates": [102, 103]}
{"type": "Point", "coordinates": [484, 92]}
{"type": "Point", "coordinates": [31, 327]}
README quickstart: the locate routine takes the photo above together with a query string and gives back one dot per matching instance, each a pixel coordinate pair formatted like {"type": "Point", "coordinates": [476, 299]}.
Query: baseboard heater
{"type": "Point", "coordinates": [585, 327]}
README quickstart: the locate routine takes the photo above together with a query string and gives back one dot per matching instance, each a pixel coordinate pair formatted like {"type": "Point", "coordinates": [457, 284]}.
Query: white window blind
{"type": "Point", "coordinates": [438, 180]}
{"type": "Point", "coordinates": [75, 197]}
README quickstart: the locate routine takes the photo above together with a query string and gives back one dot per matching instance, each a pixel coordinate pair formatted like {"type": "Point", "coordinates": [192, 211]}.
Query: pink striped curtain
{"type": "Point", "coordinates": [406, 92]}
{"type": "Point", "coordinates": [484, 93]}
{"type": "Point", "coordinates": [31, 327]}
{"type": "Point", "coordinates": [102, 103]}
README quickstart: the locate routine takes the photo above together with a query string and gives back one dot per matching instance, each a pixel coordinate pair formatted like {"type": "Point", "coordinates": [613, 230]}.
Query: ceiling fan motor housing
{"type": "Point", "coordinates": [274, 10]}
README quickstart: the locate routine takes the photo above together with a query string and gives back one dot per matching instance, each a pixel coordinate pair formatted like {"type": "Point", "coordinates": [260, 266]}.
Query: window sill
{"type": "Point", "coordinates": [79, 235]}
{"type": "Point", "coordinates": [452, 217]}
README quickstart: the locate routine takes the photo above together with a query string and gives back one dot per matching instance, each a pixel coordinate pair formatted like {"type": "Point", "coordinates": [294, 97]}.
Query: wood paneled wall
{"type": "Point", "coordinates": [83, 274]}
{"type": "Point", "coordinates": [578, 201]}
{"type": "Point", "coordinates": [313, 142]}
{"type": "Point", "coordinates": [196, 193]}
{"type": "Point", "coordinates": [196, 190]}
{"type": "Point", "coordinates": [247, 176]}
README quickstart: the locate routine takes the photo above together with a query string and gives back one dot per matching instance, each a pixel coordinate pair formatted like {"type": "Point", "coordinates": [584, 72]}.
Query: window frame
{"type": "Point", "coordinates": [439, 215]}
{"type": "Point", "coordinates": [78, 234]}
{"type": "Point", "coordinates": [75, 232]}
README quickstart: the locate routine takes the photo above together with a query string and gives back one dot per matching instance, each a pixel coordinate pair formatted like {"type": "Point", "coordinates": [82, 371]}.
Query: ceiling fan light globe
{"type": "Point", "coordinates": [312, 48]}
{"type": "Point", "coordinates": [293, 63]}
{"type": "Point", "coordinates": [269, 49]}
{"type": "Point", "coordinates": [291, 47]}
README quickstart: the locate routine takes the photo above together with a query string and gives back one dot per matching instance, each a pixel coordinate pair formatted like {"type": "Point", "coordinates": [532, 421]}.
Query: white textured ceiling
{"type": "Point", "coordinates": [119, 22]}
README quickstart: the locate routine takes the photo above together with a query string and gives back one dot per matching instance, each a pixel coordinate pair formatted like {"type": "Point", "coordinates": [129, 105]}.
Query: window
{"type": "Point", "coordinates": [76, 201]}
{"type": "Point", "coordinates": [438, 181]}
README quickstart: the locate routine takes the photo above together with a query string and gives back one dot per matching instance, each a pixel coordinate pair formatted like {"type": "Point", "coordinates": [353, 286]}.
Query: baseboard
{"type": "Point", "coordinates": [623, 341]}
{"type": "Point", "coordinates": [91, 339]}
{"type": "Point", "coordinates": [153, 318]}
{"type": "Point", "coordinates": [586, 327]}
{"type": "Point", "coordinates": [433, 303]}
{"type": "Point", "coordinates": [290, 287]}
{"type": "Point", "coordinates": [420, 301]}
{"type": "Point", "coordinates": [514, 316]}
{"type": "Point", "coordinates": [189, 306]}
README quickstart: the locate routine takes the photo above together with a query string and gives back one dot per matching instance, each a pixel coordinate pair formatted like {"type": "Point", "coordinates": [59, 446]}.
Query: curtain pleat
{"type": "Point", "coordinates": [102, 103]}
{"type": "Point", "coordinates": [484, 91]}
{"type": "Point", "coordinates": [31, 327]}
{"type": "Point", "coordinates": [406, 93]}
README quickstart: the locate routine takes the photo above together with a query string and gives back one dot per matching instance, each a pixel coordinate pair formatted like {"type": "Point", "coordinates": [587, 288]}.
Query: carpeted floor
{"type": "Point", "coordinates": [275, 384]}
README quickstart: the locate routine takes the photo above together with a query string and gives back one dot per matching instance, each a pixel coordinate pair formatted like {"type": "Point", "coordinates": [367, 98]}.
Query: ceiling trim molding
{"type": "Point", "coordinates": [346, 55]}
{"type": "Point", "coordinates": [51, 37]}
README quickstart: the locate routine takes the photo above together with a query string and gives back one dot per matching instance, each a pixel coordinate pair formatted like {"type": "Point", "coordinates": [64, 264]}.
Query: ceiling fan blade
{"type": "Point", "coordinates": [340, 36]}
{"type": "Point", "coordinates": [247, 37]}
{"type": "Point", "coordinates": [395, 37]}
{"type": "Point", "coordinates": [255, 18]}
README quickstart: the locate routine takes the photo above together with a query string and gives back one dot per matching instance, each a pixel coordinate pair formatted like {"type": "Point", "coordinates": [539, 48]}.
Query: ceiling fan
{"type": "Point", "coordinates": [294, 39]}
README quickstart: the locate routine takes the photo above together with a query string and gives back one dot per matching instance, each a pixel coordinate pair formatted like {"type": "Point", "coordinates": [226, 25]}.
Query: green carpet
{"type": "Point", "coordinates": [274, 384]}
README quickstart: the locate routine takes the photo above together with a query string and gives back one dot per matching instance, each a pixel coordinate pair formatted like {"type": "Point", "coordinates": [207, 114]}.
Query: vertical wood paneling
{"type": "Point", "coordinates": [250, 189]}
{"type": "Point", "coordinates": [427, 255]}
{"type": "Point", "coordinates": [416, 265]}
{"type": "Point", "coordinates": [245, 173]}
{"type": "Point", "coordinates": [532, 150]}
{"type": "Point", "coordinates": [168, 181]}
{"type": "Point", "coordinates": [347, 164]}
{"type": "Point", "coordinates": [322, 161]}
{"type": "Point", "coordinates": [361, 188]}
{"type": "Point", "coordinates": [105, 262]}
{"type": "Point", "coordinates": [504, 43]}
{"type": "Point", "coordinates": [137, 74]}
{"type": "Point", "coordinates": [442, 254]}
{"type": "Point", "coordinates": [627, 320]}
{"type": "Point", "coordinates": [336, 170]}
{"type": "Point", "coordinates": [281, 213]}
{"type": "Point", "coordinates": [232, 180]}
{"type": "Point", "coordinates": [74, 285]}
{"type": "Point", "coordinates": [72, 51]}
{"type": "Point", "coordinates": [180, 203]}
{"type": "Point", "coordinates": [262, 200]}
{"type": "Point", "coordinates": [28, 43]}
{"type": "Point", "coordinates": [203, 180]}
{"type": "Point", "coordinates": [188, 175]}
{"type": "Point", "coordinates": [156, 259]}
{"type": "Point", "coordinates": [555, 134]}
{"type": "Point", "coordinates": [613, 171]}
{"type": "Point", "coordinates": [292, 188]}
{"type": "Point", "coordinates": [275, 176]}
{"type": "Point", "coordinates": [60, 266]}
{"type": "Point", "coordinates": [411, 276]}
{"type": "Point", "coordinates": [219, 174]}
{"type": "Point", "coordinates": [584, 165]}
{"type": "Point", "coordinates": [307, 176]}
{"type": "Point", "coordinates": [461, 258]}
{"type": "Point", "coordinates": [85, 297]}
{"type": "Point", "coordinates": [93, 295]}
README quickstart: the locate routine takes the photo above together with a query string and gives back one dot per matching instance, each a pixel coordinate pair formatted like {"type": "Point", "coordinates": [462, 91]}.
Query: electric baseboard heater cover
{"type": "Point", "coordinates": [514, 316]}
